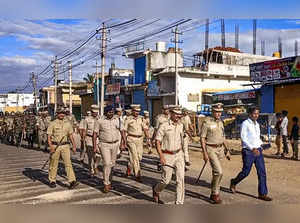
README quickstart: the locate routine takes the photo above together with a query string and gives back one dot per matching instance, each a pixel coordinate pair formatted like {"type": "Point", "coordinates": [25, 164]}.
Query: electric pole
{"type": "Point", "coordinates": [263, 45]}
{"type": "Point", "coordinates": [206, 33]}
{"type": "Point", "coordinates": [33, 78]}
{"type": "Point", "coordinates": [96, 78]}
{"type": "Point", "coordinates": [237, 30]}
{"type": "Point", "coordinates": [254, 35]}
{"type": "Point", "coordinates": [296, 48]}
{"type": "Point", "coordinates": [103, 52]}
{"type": "Point", "coordinates": [223, 33]}
{"type": "Point", "coordinates": [70, 86]}
{"type": "Point", "coordinates": [55, 83]}
{"type": "Point", "coordinates": [176, 41]}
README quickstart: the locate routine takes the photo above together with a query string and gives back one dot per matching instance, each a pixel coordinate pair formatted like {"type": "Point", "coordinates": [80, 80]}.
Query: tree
{"type": "Point", "coordinates": [89, 78]}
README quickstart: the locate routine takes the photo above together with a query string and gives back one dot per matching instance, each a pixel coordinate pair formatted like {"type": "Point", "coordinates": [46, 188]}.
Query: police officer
{"type": "Point", "coordinates": [87, 129]}
{"type": "Point", "coordinates": [83, 144]}
{"type": "Point", "coordinates": [134, 127]}
{"type": "Point", "coordinates": [19, 124]}
{"type": "Point", "coordinates": [30, 127]}
{"type": "Point", "coordinates": [10, 127]}
{"type": "Point", "coordinates": [60, 133]}
{"type": "Point", "coordinates": [169, 146]}
{"type": "Point", "coordinates": [161, 118]}
{"type": "Point", "coordinates": [148, 124]}
{"type": "Point", "coordinates": [107, 130]}
{"type": "Point", "coordinates": [212, 142]}
{"type": "Point", "coordinates": [187, 125]}
{"type": "Point", "coordinates": [42, 126]}
{"type": "Point", "coordinates": [119, 117]}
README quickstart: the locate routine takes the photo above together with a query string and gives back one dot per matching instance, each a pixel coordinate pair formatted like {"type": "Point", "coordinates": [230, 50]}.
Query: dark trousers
{"type": "Point", "coordinates": [248, 160]}
{"type": "Point", "coordinates": [285, 145]}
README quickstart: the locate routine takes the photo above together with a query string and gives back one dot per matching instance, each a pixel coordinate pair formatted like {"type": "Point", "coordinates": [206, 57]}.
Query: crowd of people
{"type": "Point", "coordinates": [104, 138]}
{"type": "Point", "coordinates": [283, 136]}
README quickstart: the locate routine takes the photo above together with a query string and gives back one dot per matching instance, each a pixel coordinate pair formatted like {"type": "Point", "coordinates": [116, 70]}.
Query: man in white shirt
{"type": "Point", "coordinates": [284, 127]}
{"type": "Point", "coordinates": [252, 154]}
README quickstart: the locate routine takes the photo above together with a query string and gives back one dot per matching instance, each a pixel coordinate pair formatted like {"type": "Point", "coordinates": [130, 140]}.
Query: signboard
{"type": "Point", "coordinates": [242, 95]}
{"type": "Point", "coordinates": [112, 89]}
{"type": "Point", "coordinates": [275, 69]}
{"type": "Point", "coordinates": [193, 97]}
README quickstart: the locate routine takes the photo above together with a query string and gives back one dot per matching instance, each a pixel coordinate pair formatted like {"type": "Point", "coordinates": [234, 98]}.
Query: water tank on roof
{"type": "Point", "coordinates": [161, 46]}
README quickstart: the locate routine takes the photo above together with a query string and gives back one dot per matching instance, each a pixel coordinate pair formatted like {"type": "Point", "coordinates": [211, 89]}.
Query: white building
{"type": "Point", "coordinates": [213, 71]}
{"type": "Point", "coordinates": [14, 101]}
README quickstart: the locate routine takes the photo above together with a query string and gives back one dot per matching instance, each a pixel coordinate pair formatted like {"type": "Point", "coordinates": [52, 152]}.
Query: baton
{"type": "Point", "coordinates": [197, 181]}
{"type": "Point", "coordinates": [47, 161]}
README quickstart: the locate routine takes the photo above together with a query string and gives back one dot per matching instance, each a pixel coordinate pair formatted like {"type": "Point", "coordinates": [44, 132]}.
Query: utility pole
{"type": "Point", "coordinates": [296, 48]}
{"type": "Point", "coordinates": [55, 83]}
{"type": "Point", "coordinates": [103, 52]}
{"type": "Point", "coordinates": [223, 33]}
{"type": "Point", "coordinates": [70, 87]}
{"type": "Point", "coordinates": [254, 36]}
{"type": "Point", "coordinates": [33, 78]}
{"type": "Point", "coordinates": [263, 45]}
{"type": "Point", "coordinates": [176, 41]}
{"type": "Point", "coordinates": [206, 34]}
{"type": "Point", "coordinates": [280, 47]}
{"type": "Point", "coordinates": [237, 30]}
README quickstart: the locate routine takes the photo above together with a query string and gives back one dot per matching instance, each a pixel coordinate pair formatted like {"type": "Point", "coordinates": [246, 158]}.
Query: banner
{"type": "Point", "coordinates": [112, 89]}
{"type": "Point", "coordinates": [285, 68]}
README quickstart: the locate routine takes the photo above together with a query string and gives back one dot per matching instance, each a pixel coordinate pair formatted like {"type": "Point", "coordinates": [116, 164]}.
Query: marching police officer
{"type": "Point", "coordinates": [134, 127]}
{"type": "Point", "coordinates": [213, 145]}
{"type": "Point", "coordinates": [60, 133]}
{"type": "Point", "coordinates": [169, 146]}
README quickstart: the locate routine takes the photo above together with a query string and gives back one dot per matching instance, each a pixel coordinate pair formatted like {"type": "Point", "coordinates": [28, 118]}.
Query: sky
{"type": "Point", "coordinates": [32, 32]}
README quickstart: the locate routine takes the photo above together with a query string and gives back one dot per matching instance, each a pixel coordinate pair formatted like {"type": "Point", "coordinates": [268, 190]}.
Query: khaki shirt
{"type": "Point", "coordinates": [42, 124]}
{"type": "Point", "coordinates": [107, 130]}
{"type": "Point", "coordinates": [135, 126]}
{"type": "Point", "coordinates": [170, 135]}
{"type": "Point", "coordinates": [186, 121]}
{"type": "Point", "coordinates": [213, 131]}
{"type": "Point", "coordinates": [160, 119]}
{"type": "Point", "coordinates": [147, 122]}
{"type": "Point", "coordinates": [88, 124]}
{"type": "Point", "coordinates": [71, 119]}
{"type": "Point", "coordinates": [58, 129]}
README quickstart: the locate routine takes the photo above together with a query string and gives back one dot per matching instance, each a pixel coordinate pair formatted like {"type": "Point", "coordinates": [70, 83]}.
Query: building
{"type": "Point", "coordinates": [214, 70]}
{"type": "Point", "coordinates": [280, 85]}
{"type": "Point", "coordinates": [15, 102]}
{"type": "Point", "coordinates": [47, 96]}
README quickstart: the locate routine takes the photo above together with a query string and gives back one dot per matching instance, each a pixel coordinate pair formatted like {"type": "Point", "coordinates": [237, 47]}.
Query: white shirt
{"type": "Point", "coordinates": [250, 134]}
{"type": "Point", "coordinates": [284, 125]}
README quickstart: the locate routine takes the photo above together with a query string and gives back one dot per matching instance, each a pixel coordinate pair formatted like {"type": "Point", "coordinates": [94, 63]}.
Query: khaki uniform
{"type": "Point", "coordinates": [108, 131]}
{"type": "Point", "coordinates": [151, 131]}
{"type": "Point", "coordinates": [59, 130]}
{"type": "Point", "coordinates": [120, 121]}
{"type": "Point", "coordinates": [160, 119]}
{"type": "Point", "coordinates": [171, 137]}
{"type": "Point", "coordinates": [42, 124]}
{"type": "Point", "coordinates": [134, 128]}
{"type": "Point", "coordinates": [83, 145]}
{"type": "Point", "coordinates": [88, 125]}
{"type": "Point", "coordinates": [186, 121]}
{"type": "Point", "coordinates": [213, 131]}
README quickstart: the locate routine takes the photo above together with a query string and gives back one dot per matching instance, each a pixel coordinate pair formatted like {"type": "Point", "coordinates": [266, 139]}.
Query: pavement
{"type": "Point", "coordinates": [22, 181]}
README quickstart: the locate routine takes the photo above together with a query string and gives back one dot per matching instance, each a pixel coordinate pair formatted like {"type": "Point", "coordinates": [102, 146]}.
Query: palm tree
{"type": "Point", "coordinates": [89, 78]}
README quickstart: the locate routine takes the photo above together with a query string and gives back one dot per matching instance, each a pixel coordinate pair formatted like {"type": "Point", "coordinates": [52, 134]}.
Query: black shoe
{"type": "Point", "coordinates": [187, 163]}
{"type": "Point", "coordinates": [73, 184]}
{"type": "Point", "coordinates": [52, 184]}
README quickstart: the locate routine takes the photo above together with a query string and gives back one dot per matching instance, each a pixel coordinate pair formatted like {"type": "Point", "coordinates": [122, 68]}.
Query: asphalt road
{"type": "Point", "coordinates": [23, 182]}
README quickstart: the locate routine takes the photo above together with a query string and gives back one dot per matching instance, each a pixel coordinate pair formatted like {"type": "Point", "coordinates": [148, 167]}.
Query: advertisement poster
{"type": "Point", "coordinates": [275, 69]}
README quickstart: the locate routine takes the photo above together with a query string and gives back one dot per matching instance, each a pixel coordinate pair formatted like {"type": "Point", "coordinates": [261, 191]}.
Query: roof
{"type": "Point", "coordinates": [236, 91]}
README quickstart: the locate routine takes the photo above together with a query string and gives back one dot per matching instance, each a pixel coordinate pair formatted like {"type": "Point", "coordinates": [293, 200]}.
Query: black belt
{"type": "Point", "coordinates": [89, 135]}
{"type": "Point", "coordinates": [61, 144]}
{"type": "Point", "coordinates": [110, 142]}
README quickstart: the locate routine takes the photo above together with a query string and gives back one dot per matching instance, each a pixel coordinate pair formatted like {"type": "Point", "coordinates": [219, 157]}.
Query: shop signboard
{"type": "Point", "coordinates": [285, 68]}
{"type": "Point", "coordinates": [113, 89]}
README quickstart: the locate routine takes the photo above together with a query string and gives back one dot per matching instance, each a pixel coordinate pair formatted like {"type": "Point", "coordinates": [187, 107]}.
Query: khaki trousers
{"type": "Point", "coordinates": [91, 158]}
{"type": "Point", "coordinates": [278, 142]}
{"type": "Point", "coordinates": [215, 156]}
{"type": "Point", "coordinates": [42, 138]}
{"type": "Point", "coordinates": [109, 156]}
{"type": "Point", "coordinates": [186, 148]}
{"type": "Point", "coordinates": [135, 148]}
{"type": "Point", "coordinates": [64, 152]}
{"type": "Point", "coordinates": [176, 161]}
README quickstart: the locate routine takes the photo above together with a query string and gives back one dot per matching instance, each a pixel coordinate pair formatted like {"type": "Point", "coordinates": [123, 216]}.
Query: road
{"type": "Point", "coordinates": [23, 182]}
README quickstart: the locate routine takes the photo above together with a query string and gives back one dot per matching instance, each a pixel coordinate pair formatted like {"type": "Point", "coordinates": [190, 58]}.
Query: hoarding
{"type": "Point", "coordinates": [242, 95]}
{"type": "Point", "coordinates": [113, 89]}
{"type": "Point", "coordinates": [285, 68]}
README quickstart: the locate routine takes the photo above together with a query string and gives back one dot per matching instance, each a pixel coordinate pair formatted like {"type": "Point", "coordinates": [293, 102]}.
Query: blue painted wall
{"type": "Point", "coordinates": [139, 98]}
{"type": "Point", "coordinates": [140, 70]}
{"type": "Point", "coordinates": [267, 99]}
